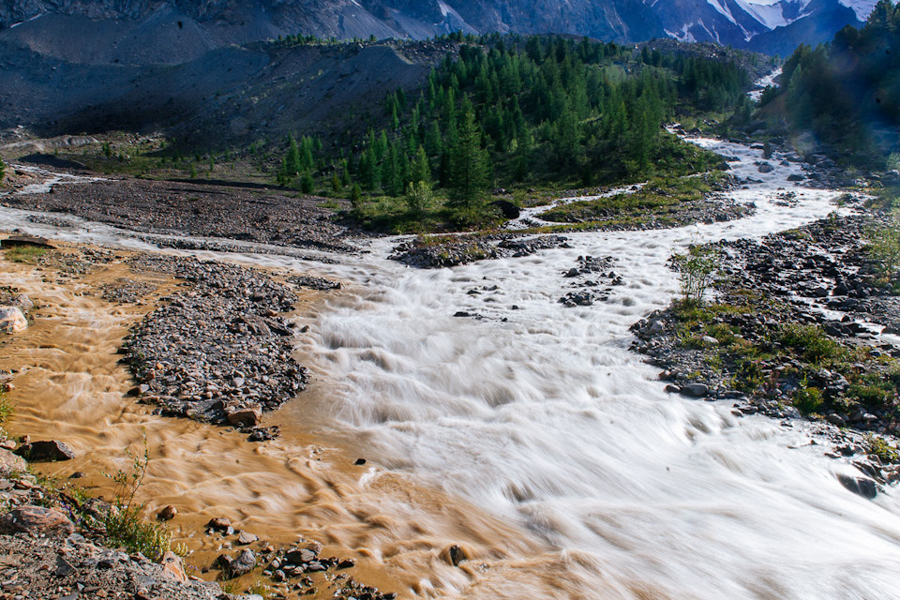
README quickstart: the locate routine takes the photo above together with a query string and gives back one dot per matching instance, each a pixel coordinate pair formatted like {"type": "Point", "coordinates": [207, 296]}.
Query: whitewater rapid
{"type": "Point", "coordinates": [539, 415]}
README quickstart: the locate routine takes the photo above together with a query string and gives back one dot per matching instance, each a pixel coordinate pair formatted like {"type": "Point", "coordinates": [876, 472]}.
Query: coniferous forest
{"type": "Point", "coordinates": [539, 111]}
{"type": "Point", "coordinates": [846, 94]}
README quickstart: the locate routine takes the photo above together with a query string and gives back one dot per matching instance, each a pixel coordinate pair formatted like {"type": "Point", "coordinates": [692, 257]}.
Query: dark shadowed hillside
{"type": "Point", "coordinates": [228, 96]}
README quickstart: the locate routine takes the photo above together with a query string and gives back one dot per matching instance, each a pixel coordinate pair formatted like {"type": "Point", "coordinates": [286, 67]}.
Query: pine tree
{"type": "Point", "coordinates": [389, 173]}
{"type": "Point", "coordinates": [2, 169]}
{"type": "Point", "coordinates": [356, 199]}
{"type": "Point", "coordinates": [290, 165]}
{"type": "Point", "coordinates": [469, 177]}
{"type": "Point", "coordinates": [420, 170]}
{"type": "Point", "coordinates": [369, 173]}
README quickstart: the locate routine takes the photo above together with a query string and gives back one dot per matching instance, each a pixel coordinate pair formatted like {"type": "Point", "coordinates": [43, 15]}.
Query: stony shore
{"type": "Point", "coordinates": [785, 337]}
{"type": "Point", "coordinates": [187, 208]}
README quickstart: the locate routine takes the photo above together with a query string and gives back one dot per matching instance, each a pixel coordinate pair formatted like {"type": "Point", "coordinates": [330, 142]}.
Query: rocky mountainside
{"type": "Point", "coordinates": [229, 95]}
{"type": "Point", "coordinates": [770, 27]}
{"type": "Point", "coordinates": [174, 31]}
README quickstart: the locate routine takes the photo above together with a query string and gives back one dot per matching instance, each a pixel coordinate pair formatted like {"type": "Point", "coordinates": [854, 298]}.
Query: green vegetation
{"type": "Point", "coordinates": [261, 589]}
{"type": "Point", "coordinates": [879, 447]}
{"type": "Point", "coordinates": [847, 93]}
{"type": "Point", "coordinates": [884, 247]}
{"type": "Point", "coordinates": [7, 408]}
{"type": "Point", "coordinates": [787, 360]}
{"type": "Point", "coordinates": [519, 112]}
{"type": "Point", "coordinates": [24, 254]}
{"type": "Point", "coordinates": [2, 170]}
{"type": "Point", "coordinates": [697, 270]}
{"type": "Point", "coordinates": [124, 525]}
{"type": "Point", "coordinates": [660, 198]}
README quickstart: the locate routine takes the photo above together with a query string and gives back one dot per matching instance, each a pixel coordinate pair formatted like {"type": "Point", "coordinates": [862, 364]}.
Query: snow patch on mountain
{"type": "Point", "coordinates": [722, 10]}
{"type": "Point", "coordinates": [770, 14]}
{"type": "Point", "coordinates": [862, 8]}
{"type": "Point", "coordinates": [684, 35]}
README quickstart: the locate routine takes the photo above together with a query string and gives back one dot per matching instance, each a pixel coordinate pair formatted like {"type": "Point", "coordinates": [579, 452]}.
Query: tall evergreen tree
{"type": "Point", "coordinates": [469, 169]}
{"type": "Point", "coordinates": [420, 170]}
{"type": "Point", "coordinates": [290, 165]}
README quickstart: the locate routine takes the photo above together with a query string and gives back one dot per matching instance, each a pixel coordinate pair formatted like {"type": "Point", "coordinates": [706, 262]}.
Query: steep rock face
{"type": "Point", "coordinates": [722, 21]}
{"type": "Point", "coordinates": [824, 19]}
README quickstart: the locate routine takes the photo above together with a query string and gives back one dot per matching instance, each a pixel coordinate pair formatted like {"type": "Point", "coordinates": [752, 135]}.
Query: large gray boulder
{"type": "Point", "coordinates": [12, 320]}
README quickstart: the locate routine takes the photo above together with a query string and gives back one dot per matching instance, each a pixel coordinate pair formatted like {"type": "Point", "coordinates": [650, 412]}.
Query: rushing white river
{"type": "Point", "coordinates": [540, 415]}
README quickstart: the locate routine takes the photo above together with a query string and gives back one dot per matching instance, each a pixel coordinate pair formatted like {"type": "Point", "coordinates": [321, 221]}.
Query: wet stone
{"type": "Point", "coordinates": [46, 451]}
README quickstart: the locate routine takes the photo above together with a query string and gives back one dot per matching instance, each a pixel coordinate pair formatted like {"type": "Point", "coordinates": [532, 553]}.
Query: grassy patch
{"type": "Point", "coordinates": [660, 197]}
{"type": "Point", "coordinates": [809, 341]}
{"type": "Point", "coordinates": [6, 408]}
{"type": "Point", "coordinates": [24, 254]}
{"type": "Point", "coordinates": [879, 447]}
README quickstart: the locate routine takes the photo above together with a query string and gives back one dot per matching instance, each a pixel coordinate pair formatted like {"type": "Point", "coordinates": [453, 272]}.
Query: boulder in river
{"type": "Point", "coordinates": [244, 416]}
{"type": "Point", "coordinates": [695, 390]}
{"type": "Point", "coordinates": [862, 486]}
{"type": "Point", "coordinates": [509, 210]}
{"type": "Point", "coordinates": [46, 451]}
{"type": "Point", "coordinates": [12, 320]}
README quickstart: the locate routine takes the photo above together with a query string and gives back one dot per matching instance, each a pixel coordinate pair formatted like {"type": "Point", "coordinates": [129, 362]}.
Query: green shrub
{"type": "Point", "coordinates": [124, 524]}
{"type": "Point", "coordinates": [880, 448]}
{"type": "Point", "coordinates": [884, 246]}
{"type": "Point", "coordinates": [809, 400]}
{"type": "Point", "coordinates": [6, 408]}
{"type": "Point", "coordinates": [697, 272]}
{"type": "Point", "coordinates": [24, 254]}
{"type": "Point", "coordinates": [810, 341]}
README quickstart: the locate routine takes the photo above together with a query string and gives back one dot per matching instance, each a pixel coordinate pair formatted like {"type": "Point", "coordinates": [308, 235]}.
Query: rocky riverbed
{"type": "Point", "coordinates": [219, 318]}
{"type": "Point", "coordinates": [435, 252]}
{"type": "Point", "coordinates": [185, 208]}
{"type": "Point", "coordinates": [218, 351]}
{"type": "Point", "coordinates": [793, 332]}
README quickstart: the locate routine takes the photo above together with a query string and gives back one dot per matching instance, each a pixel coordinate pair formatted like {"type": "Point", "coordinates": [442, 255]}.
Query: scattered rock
{"type": "Point", "coordinates": [167, 514]}
{"type": "Point", "coordinates": [46, 451]}
{"type": "Point", "coordinates": [63, 567]}
{"type": "Point", "coordinates": [245, 562]}
{"type": "Point", "coordinates": [861, 486]}
{"type": "Point", "coordinates": [244, 416]}
{"type": "Point", "coordinates": [219, 524]}
{"type": "Point", "coordinates": [36, 520]}
{"type": "Point", "coordinates": [456, 555]}
{"type": "Point", "coordinates": [695, 390]}
{"type": "Point", "coordinates": [11, 464]}
{"type": "Point", "coordinates": [173, 566]}
{"type": "Point", "coordinates": [246, 539]}
{"type": "Point", "coordinates": [301, 556]}
{"type": "Point", "coordinates": [215, 352]}
{"type": "Point", "coordinates": [12, 320]}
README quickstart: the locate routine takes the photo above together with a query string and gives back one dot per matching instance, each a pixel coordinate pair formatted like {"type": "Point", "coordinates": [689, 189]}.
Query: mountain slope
{"type": "Point", "coordinates": [231, 95]}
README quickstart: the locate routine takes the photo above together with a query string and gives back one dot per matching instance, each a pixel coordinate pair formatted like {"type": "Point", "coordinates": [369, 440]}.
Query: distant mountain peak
{"type": "Point", "coordinates": [206, 24]}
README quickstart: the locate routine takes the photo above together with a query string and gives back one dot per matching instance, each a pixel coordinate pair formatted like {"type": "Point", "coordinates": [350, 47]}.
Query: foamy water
{"type": "Point", "coordinates": [539, 416]}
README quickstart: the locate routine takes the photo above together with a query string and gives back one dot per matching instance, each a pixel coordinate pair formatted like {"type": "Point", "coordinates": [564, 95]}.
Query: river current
{"type": "Point", "coordinates": [534, 438]}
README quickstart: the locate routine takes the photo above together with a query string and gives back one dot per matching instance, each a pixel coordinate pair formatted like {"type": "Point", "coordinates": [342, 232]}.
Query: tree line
{"type": "Point", "coordinates": [511, 110]}
{"type": "Point", "coordinates": [847, 92]}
